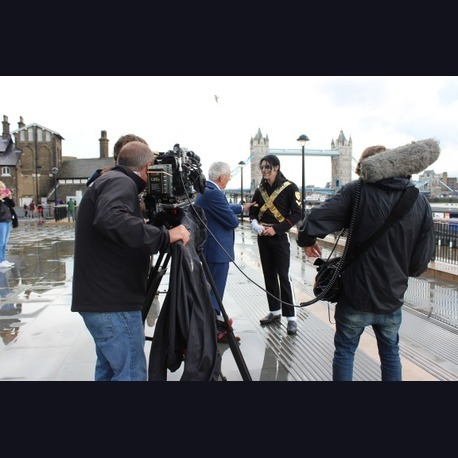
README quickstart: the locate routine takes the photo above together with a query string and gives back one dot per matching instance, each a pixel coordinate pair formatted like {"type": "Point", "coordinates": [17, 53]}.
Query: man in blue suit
{"type": "Point", "coordinates": [221, 221]}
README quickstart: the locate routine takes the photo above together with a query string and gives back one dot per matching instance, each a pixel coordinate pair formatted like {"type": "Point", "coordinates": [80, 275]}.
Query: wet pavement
{"type": "Point", "coordinates": [42, 340]}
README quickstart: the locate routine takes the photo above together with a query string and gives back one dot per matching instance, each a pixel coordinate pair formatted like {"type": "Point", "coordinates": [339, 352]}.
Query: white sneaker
{"type": "Point", "coordinates": [11, 264]}
{"type": "Point", "coordinates": [5, 265]}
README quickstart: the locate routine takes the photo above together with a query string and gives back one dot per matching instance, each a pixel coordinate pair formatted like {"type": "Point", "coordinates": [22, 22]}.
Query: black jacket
{"type": "Point", "coordinates": [376, 281]}
{"type": "Point", "coordinates": [11, 204]}
{"type": "Point", "coordinates": [288, 203]}
{"type": "Point", "coordinates": [113, 245]}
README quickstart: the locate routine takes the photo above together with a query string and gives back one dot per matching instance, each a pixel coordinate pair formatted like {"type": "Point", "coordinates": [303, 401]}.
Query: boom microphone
{"type": "Point", "coordinates": [403, 161]}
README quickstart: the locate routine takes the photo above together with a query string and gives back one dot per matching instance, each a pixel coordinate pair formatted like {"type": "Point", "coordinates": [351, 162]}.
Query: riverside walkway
{"type": "Point", "coordinates": [42, 340]}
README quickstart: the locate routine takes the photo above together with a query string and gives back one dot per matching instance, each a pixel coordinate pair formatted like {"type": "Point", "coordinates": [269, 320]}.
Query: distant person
{"type": "Point", "coordinates": [26, 211]}
{"type": "Point", "coordinates": [40, 213]}
{"type": "Point", "coordinates": [32, 208]}
{"type": "Point", "coordinates": [375, 282]}
{"type": "Point", "coordinates": [219, 246]}
{"type": "Point", "coordinates": [276, 209]}
{"type": "Point", "coordinates": [6, 222]}
{"type": "Point", "coordinates": [71, 210]}
{"type": "Point", "coordinates": [113, 249]}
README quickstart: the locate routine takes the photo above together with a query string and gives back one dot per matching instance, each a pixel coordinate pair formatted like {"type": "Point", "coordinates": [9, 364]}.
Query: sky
{"type": "Point", "coordinates": [165, 110]}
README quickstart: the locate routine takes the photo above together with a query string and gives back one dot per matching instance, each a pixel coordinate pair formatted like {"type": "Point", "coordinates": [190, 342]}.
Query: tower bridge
{"type": "Point", "coordinates": [341, 166]}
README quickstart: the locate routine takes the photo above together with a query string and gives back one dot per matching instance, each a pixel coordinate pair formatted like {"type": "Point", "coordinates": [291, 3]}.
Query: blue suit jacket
{"type": "Point", "coordinates": [221, 221]}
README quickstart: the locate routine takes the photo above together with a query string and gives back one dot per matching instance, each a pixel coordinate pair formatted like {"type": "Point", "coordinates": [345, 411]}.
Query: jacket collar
{"type": "Point", "coordinates": [141, 185]}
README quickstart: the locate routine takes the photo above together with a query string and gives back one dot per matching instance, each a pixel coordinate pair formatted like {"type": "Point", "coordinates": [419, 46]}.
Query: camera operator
{"type": "Point", "coordinates": [113, 246]}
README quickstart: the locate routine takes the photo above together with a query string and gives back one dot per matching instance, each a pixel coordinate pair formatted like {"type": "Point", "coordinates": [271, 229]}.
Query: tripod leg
{"type": "Point", "coordinates": [233, 345]}
{"type": "Point", "coordinates": [154, 280]}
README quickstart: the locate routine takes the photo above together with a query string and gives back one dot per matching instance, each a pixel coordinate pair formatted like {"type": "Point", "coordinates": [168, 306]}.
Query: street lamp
{"type": "Point", "coordinates": [35, 138]}
{"type": "Point", "coordinates": [54, 171]}
{"type": "Point", "coordinates": [241, 163]}
{"type": "Point", "coordinates": [303, 139]}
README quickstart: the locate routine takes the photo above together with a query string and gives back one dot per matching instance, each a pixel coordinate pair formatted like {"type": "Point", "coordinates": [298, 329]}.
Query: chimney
{"type": "Point", "coordinates": [21, 122]}
{"type": "Point", "coordinates": [6, 127]}
{"type": "Point", "coordinates": [104, 145]}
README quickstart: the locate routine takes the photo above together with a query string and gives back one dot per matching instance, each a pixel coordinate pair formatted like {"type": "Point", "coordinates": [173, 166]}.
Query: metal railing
{"type": "Point", "coordinates": [446, 239]}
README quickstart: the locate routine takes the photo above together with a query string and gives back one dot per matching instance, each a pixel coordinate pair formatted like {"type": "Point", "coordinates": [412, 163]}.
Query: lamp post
{"type": "Point", "coordinates": [241, 163]}
{"type": "Point", "coordinates": [303, 139]}
{"type": "Point", "coordinates": [54, 171]}
{"type": "Point", "coordinates": [35, 138]}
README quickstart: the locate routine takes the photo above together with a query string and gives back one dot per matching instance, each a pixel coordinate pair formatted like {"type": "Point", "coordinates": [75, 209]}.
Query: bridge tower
{"type": "Point", "coordinates": [259, 147]}
{"type": "Point", "coordinates": [341, 163]}
{"type": "Point", "coordinates": [340, 153]}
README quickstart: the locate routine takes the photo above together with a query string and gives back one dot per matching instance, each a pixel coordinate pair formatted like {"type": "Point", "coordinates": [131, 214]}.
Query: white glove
{"type": "Point", "coordinates": [256, 226]}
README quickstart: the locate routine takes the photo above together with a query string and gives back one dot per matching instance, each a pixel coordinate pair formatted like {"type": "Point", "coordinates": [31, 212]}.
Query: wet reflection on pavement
{"type": "Point", "coordinates": [43, 257]}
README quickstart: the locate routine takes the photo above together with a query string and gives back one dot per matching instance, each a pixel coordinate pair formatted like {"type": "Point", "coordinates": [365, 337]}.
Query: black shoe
{"type": "Point", "coordinates": [270, 318]}
{"type": "Point", "coordinates": [292, 327]}
{"type": "Point", "coordinates": [222, 326]}
{"type": "Point", "coordinates": [222, 338]}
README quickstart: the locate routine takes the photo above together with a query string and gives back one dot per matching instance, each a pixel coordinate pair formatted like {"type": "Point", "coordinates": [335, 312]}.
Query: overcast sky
{"type": "Point", "coordinates": [388, 110]}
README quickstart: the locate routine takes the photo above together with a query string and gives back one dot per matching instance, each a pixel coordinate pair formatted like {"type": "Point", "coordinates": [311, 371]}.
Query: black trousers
{"type": "Point", "coordinates": [275, 254]}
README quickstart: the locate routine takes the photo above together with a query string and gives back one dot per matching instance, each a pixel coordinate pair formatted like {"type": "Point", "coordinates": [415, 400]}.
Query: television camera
{"type": "Point", "coordinates": [172, 183]}
{"type": "Point", "coordinates": [173, 180]}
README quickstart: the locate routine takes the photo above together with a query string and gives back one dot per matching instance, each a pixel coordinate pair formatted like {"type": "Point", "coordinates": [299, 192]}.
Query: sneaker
{"type": "Point", "coordinates": [292, 327]}
{"type": "Point", "coordinates": [11, 264]}
{"type": "Point", "coordinates": [5, 265]}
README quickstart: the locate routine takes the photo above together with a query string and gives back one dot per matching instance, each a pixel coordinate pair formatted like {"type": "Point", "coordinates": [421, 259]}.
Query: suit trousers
{"type": "Point", "coordinates": [219, 271]}
{"type": "Point", "coordinates": [275, 254]}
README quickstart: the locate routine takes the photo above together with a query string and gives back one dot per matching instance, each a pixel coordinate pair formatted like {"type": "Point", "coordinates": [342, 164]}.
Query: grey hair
{"type": "Point", "coordinates": [135, 155]}
{"type": "Point", "coordinates": [217, 169]}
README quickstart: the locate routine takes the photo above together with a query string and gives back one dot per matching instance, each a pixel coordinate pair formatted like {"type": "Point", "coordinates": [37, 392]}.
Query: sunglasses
{"type": "Point", "coordinates": [265, 167]}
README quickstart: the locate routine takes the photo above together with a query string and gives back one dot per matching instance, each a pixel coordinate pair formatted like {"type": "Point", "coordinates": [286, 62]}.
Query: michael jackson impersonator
{"type": "Point", "coordinates": [276, 209]}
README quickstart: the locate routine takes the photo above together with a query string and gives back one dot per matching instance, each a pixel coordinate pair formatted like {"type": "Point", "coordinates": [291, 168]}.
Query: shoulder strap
{"type": "Point", "coordinates": [402, 207]}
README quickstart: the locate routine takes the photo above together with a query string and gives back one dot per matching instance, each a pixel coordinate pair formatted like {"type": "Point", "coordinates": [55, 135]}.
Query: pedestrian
{"type": "Point", "coordinates": [6, 204]}
{"type": "Point", "coordinates": [276, 209]}
{"type": "Point", "coordinates": [219, 246]}
{"type": "Point", "coordinates": [32, 208]}
{"type": "Point", "coordinates": [113, 248]}
{"type": "Point", "coordinates": [26, 211]}
{"type": "Point", "coordinates": [374, 283]}
{"type": "Point", "coordinates": [71, 210]}
{"type": "Point", "coordinates": [40, 213]}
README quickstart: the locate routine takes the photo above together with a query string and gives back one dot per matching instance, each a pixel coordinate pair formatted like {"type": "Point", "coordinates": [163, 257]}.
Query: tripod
{"type": "Point", "coordinates": [154, 280]}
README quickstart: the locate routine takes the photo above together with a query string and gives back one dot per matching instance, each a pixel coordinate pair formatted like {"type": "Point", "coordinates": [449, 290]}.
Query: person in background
{"type": "Point", "coordinates": [40, 213]}
{"type": "Point", "coordinates": [32, 208]}
{"type": "Point", "coordinates": [276, 209]}
{"type": "Point", "coordinates": [6, 204]}
{"type": "Point", "coordinates": [71, 210]}
{"type": "Point", "coordinates": [374, 284]}
{"type": "Point", "coordinates": [113, 248]}
{"type": "Point", "coordinates": [219, 246]}
{"type": "Point", "coordinates": [26, 211]}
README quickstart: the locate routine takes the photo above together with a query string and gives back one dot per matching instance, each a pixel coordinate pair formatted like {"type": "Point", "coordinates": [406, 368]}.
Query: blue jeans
{"type": "Point", "coordinates": [350, 324]}
{"type": "Point", "coordinates": [5, 229]}
{"type": "Point", "coordinates": [119, 344]}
